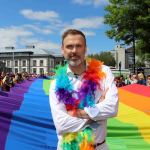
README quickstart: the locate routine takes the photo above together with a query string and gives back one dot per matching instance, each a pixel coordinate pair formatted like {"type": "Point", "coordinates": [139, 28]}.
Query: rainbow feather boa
{"type": "Point", "coordinates": [82, 140]}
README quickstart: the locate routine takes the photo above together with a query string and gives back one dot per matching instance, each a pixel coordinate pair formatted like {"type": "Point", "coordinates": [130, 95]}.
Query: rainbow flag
{"type": "Point", "coordinates": [26, 122]}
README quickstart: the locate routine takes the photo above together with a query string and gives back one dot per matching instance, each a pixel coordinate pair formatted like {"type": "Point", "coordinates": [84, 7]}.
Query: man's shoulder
{"type": "Point", "coordinates": [105, 68]}
{"type": "Point", "coordinates": [107, 71]}
{"type": "Point", "coordinates": [52, 84]}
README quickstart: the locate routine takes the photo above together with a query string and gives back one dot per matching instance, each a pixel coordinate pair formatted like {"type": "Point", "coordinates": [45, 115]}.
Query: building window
{"type": "Point", "coordinates": [4, 62]}
{"type": "Point", "coordinates": [16, 63]}
{"type": "Point", "coordinates": [34, 70]}
{"type": "Point", "coordinates": [16, 70]}
{"type": "Point", "coordinates": [58, 62]}
{"type": "Point", "coordinates": [24, 63]}
{"type": "Point", "coordinates": [23, 69]}
{"type": "Point", "coordinates": [130, 66]}
{"type": "Point", "coordinates": [8, 63]}
{"type": "Point", "coordinates": [41, 63]}
{"type": "Point", "coordinates": [41, 70]}
{"type": "Point", "coordinates": [52, 63]}
{"type": "Point", "coordinates": [34, 62]}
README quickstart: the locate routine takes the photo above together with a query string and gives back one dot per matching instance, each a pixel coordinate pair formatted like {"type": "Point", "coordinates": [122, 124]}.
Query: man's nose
{"type": "Point", "coordinates": [74, 49]}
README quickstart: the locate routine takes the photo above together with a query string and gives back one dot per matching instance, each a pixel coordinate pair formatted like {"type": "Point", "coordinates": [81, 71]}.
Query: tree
{"type": "Point", "coordinates": [143, 59]}
{"type": "Point", "coordinates": [129, 20]}
{"type": "Point", "coordinates": [105, 57]}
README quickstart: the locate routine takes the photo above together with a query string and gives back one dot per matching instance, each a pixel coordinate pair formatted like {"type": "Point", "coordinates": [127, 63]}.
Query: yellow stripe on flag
{"type": "Point", "coordinates": [138, 118]}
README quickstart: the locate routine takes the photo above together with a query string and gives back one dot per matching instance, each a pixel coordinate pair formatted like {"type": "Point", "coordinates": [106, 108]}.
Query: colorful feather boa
{"type": "Point", "coordinates": [82, 140]}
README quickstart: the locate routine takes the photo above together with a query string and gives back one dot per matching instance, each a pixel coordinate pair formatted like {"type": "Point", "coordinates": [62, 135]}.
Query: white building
{"type": "Point", "coordinates": [123, 56]}
{"type": "Point", "coordinates": [120, 56]}
{"type": "Point", "coordinates": [30, 59]}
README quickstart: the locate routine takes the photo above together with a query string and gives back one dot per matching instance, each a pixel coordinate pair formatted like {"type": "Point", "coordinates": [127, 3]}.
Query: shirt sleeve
{"type": "Point", "coordinates": [64, 123]}
{"type": "Point", "coordinates": [109, 106]}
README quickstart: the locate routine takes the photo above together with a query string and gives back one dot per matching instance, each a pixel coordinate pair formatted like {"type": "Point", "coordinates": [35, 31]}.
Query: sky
{"type": "Point", "coordinates": [42, 22]}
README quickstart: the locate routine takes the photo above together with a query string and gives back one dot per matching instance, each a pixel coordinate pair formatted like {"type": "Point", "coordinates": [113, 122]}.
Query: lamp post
{"type": "Point", "coordinates": [13, 58]}
{"type": "Point", "coordinates": [120, 67]}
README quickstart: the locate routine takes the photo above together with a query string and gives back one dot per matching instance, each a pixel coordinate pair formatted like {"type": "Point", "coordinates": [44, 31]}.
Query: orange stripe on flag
{"type": "Point", "coordinates": [139, 102]}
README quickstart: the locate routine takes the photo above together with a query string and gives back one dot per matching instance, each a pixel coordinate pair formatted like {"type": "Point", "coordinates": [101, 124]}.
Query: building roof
{"type": "Point", "coordinates": [28, 50]}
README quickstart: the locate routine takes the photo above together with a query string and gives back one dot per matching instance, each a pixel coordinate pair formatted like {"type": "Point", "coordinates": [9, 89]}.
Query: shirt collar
{"type": "Point", "coordinates": [71, 74]}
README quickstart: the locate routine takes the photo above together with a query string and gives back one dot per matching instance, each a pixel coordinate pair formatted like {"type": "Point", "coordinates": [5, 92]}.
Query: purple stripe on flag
{"type": "Point", "coordinates": [9, 102]}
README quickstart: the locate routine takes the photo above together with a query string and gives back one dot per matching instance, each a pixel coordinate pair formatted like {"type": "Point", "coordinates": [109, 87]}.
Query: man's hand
{"type": "Point", "coordinates": [79, 113]}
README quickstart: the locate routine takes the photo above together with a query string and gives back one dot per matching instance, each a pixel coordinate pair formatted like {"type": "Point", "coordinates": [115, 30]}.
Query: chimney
{"type": "Point", "coordinates": [9, 47]}
{"type": "Point", "coordinates": [30, 46]}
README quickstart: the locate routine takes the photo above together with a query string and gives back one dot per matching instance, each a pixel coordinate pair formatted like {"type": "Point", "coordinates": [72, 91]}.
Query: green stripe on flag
{"type": "Point", "coordinates": [46, 86]}
{"type": "Point", "coordinates": [123, 136]}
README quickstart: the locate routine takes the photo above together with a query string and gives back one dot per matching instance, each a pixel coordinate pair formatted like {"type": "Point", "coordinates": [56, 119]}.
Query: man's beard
{"type": "Point", "coordinates": [74, 63]}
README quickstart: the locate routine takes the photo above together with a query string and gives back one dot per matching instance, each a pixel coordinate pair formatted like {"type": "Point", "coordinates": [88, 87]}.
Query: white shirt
{"type": "Point", "coordinates": [65, 123]}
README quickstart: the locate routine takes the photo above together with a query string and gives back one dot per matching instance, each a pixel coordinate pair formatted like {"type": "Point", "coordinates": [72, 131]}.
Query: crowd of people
{"type": "Point", "coordinates": [134, 78]}
{"type": "Point", "coordinates": [8, 80]}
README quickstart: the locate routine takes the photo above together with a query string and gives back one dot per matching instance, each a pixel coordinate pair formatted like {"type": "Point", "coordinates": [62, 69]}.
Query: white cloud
{"type": "Point", "coordinates": [96, 3]}
{"type": "Point", "coordinates": [23, 35]}
{"type": "Point", "coordinates": [39, 15]}
{"type": "Point", "coordinates": [94, 22]}
{"type": "Point", "coordinates": [89, 33]}
{"type": "Point", "coordinates": [100, 2]}
{"type": "Point", "coordinates": [10, 36]}
{"type": "Point", "coordinates": [83, 2]}
{"type": "Point", "coordinates": [85, 24]}
{"type": "Point", "coordinates": [28, 34]}
{"type": "Point", "coordinates": [40, 44]}
{"type": "Point", "coordinates": [47, 45]}
{"type": "Point", "coordinates": [38, 29]}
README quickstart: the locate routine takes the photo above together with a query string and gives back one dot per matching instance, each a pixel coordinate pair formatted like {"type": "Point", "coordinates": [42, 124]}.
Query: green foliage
{"type": "Point", "coordinates": [142, 58]}
{"type": "Point", "coordinates": [105, 57]}
{"type": "Point", "coordinates": [128, 19]}
{"type": "Point", "coordinates": [140, 64]}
